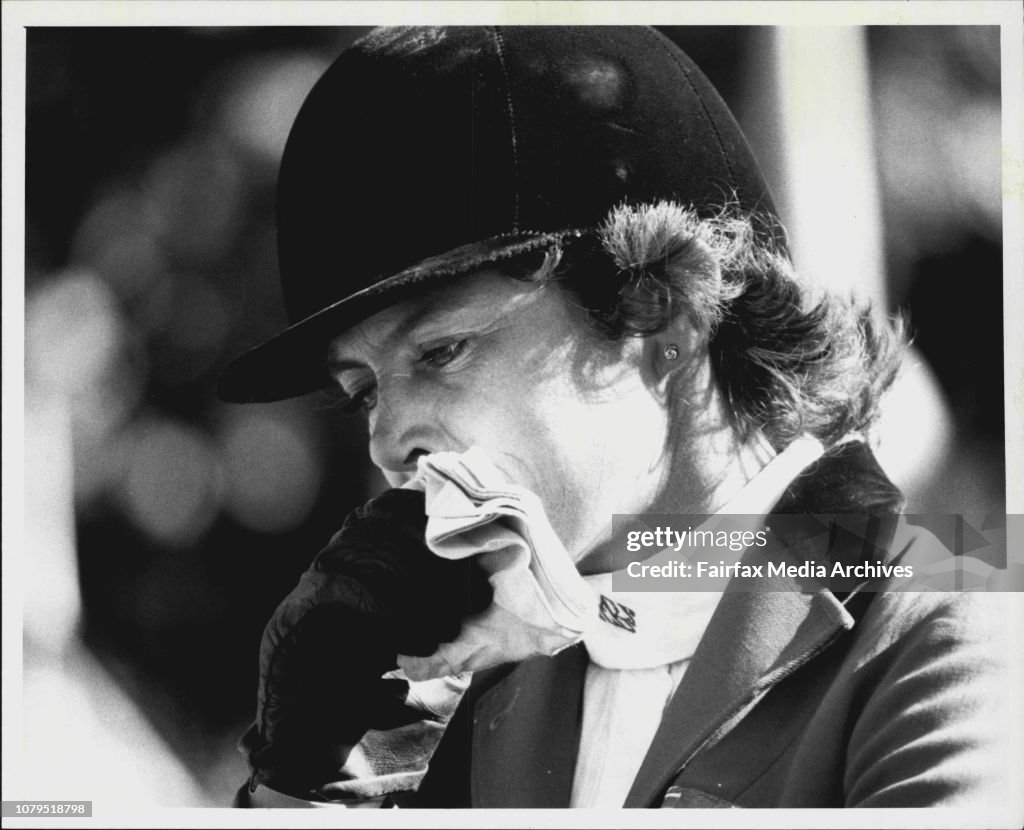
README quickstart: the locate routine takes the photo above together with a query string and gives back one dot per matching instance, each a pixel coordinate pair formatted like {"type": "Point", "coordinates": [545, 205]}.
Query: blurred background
{"type": "Point", "coordinates": [164, 526]}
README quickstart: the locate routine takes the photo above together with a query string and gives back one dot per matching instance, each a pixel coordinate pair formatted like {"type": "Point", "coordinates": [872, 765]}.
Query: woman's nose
{"type": "Point", "coordinates": [399, 434]}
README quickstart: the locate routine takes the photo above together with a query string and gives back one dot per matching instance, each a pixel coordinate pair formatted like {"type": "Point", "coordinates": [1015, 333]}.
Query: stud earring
{"type": "Point", "coordinates": [671, 352]}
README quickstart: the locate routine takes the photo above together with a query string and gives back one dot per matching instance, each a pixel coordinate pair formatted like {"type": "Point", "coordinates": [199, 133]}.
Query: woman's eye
{"type": "Point", "coordinates": [443, 355]}
{"type": "Point", "coordinates": [364, 399]}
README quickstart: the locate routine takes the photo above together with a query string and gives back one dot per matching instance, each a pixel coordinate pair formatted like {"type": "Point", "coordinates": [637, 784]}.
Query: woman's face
{"type": "Point", "coordinates": [512, 368]}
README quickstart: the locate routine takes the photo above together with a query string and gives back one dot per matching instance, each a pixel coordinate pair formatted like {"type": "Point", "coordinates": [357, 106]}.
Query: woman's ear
{"type": "Point", "coordinates": [674, 355]}
{"type": "Point", "coordinates": [675, 347]}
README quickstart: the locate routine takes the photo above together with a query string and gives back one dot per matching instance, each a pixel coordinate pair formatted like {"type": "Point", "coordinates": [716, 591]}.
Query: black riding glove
{"type": "Point", "coordinates": [324, 713]}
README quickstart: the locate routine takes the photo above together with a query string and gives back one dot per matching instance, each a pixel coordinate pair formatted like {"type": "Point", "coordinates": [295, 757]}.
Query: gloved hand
{"type": "Point", "coordinates": [373, 592]}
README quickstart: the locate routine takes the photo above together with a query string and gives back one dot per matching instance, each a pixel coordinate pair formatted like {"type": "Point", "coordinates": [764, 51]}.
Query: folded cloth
{"type": "Point", "coordinates": [541, 604]}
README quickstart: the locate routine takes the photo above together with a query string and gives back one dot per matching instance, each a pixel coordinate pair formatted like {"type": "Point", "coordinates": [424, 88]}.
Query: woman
{"type": "Point", "coordinates": [546, 265]}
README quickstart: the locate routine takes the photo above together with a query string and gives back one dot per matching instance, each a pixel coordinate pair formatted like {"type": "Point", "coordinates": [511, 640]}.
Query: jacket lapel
{"type": "Point", "coordinates": [526, 732]}
{"type": "Point", "coordinates": [753, 641]}
{"type": "Point", "coordinates": [757, 637]}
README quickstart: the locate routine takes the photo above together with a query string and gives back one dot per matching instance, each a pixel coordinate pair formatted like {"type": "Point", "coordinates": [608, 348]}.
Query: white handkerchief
{"type": "Point", "coordinates": [541, 604]}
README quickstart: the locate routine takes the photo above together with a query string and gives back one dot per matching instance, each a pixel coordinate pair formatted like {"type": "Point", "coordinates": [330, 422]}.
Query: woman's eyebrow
{"type": "Point", "coordinates": [336, 365]}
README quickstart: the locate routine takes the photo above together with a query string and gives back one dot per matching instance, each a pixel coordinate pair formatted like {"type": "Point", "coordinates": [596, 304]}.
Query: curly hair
{"type": "Point", "coordinates": [789, 357]}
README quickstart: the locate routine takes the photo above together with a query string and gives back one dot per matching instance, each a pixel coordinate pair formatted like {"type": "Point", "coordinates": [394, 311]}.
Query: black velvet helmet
{"type": "Point", "coordinates": [428, 152]}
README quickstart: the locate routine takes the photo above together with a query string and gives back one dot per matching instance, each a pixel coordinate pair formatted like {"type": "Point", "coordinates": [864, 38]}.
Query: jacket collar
{"type": "Point", "coordinates": [529, 722]}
